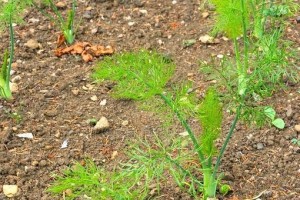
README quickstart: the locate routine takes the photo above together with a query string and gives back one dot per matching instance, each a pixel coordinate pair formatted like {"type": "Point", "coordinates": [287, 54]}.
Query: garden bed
{"type": "Point", "coordinates": [56, 97]}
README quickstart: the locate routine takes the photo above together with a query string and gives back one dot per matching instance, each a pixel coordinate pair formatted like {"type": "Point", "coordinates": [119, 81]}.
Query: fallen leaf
{"type": "Point", "coordinates": [86, 50]}
{"type": "Point", "coordinates": [86, 56]}
{"type": "Point", "coordinates": [60, 40]}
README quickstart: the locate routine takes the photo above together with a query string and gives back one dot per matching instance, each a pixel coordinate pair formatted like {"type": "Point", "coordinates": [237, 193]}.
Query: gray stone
{"type": "Point", "coordinates": [259, 146]}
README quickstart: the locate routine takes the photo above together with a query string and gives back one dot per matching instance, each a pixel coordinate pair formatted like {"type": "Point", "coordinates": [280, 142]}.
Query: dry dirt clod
{"type": "Point", "coordinates": [10, 190]}
{"type": "Point", "coordinates": [289, 111]}
{"type": "Point", "coordinates": [260, 146]}
{"type": "Point", "coordinates": [205, 15]}
{"type": "Point", "coordinates": [103, 102]}
{"type": "Point", "coordinates": [13, 87]}
{"type": "Point", "coordinates": [51, 113]}
{"type": "Point", "coordinates": [125, 123]}
{"type": "Point", "coordinates": [75, 92]}
{"type": "Point", "coordinates": [114, 155]}
{"type": "Point", "coordinates": [61, 5]}
{"type": "Point", "coordinates": [206, 39]}
{"type": "Point", "coordinates": [94, 98]}
{"type": "Point", "coordinates": [16, 79]}
{"type": "Point", "coordinates": [32, 44]}
{"type": "Point", "coordinates": [101, 126]}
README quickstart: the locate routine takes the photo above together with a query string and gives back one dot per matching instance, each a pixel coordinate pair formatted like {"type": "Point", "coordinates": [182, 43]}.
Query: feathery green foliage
{"type": "Point", "coordinates": [10, 12]}
{"type": "Point", "coordinates": [13, 8]}
{"type": "Point", "coordinates": [130, 180]}
{"type": "Point", "coordinates": [229, 17]}
{"type": "Point", "coordinates": [139, 75]}
{"type": "Point", "coordinates": [77, 179]}
{"type": "Point", "coordinates": [210, 115]}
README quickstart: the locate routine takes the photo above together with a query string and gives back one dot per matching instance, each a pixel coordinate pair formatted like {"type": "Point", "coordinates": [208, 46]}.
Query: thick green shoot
{"type": "Point", "coordinates": [66, 25]}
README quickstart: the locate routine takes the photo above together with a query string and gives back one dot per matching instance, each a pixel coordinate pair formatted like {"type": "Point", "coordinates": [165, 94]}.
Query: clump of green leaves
{"type": "Point", "coordinates": [262, 65]}
{"type": "Point", "coordinates": [271, 113]}
{"type": "Point", "coordinates": [66, 25]}
{"type": "Point", "coordinates": [10, 12]}
{"type": "Point", "coordinates": [130, 70]}
{"type": "Point", "coordinates": [296, 141]}
{"type": "Point", "coordinates": [131, 180]}
{"type": "Point", "coordinates": [5, 78]}
{"type": "Point", "coordinates": [78, 179]}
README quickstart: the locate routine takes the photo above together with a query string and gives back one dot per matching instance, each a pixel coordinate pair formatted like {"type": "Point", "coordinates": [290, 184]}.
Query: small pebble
{"type": "Point", "coordinates": [103, 102]}
{"type": "Point", "coordinates": [205, 15]}
{"type": "Point", "coordinates": [297, 127]}
{"type": "Point", "coordinates": [43, 163]}
{"type": "Point", "coordinates": [87, 15]}
{"type": "Point", "coordinates": [75, 92]}
{"type": "Point", "coordinates": [10, 190]}
{"type": "Point", "coordinates": [94, 98]}
{"type": "Point", "coordinates": [259, 146]}
{"type": "Point", "coordinates": [131, 23]}
{"type": "Point", "coordinates": [125, 123]}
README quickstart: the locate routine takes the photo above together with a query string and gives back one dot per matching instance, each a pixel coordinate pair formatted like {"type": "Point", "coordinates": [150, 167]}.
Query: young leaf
{"type": "Point", "coordinates": [210, 119]}
{"type": "Point", "coordinates": [270, 112]}
{"type": "Point", "coordinates": [279, 123]}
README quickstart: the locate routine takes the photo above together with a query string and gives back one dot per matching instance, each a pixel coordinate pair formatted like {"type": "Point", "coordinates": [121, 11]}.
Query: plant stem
{"type": "Point", "coordinates": [188, 129]}
{"type": "Point", "coordinates": [186, 172]}
{"type": "Point", "coordinates": [227, 140]}
{"type": "Point", "coordinates": [12, 49]}
{"type": "Point", "coordinates": [246, 45]}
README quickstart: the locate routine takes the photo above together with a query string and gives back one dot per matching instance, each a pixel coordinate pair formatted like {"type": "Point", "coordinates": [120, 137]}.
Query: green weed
{"type": "Point", "coordinates": [264, 65]}
{"type": "Point", "coordinates": [66, 25]}
{"type": "Point", "coordinates": [10, 12]}
{"type": "Point", "coordinates": [144, 171]}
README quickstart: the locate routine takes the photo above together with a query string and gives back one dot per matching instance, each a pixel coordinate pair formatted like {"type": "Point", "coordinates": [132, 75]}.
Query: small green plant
{"type": "Point", "coordinates": [262, 63]}
{"type": "Point", "coordinates": [77, 179]}
{"type": "Point", "coordinates": [295, 141]}
{"type": "Point", "coordinates": [144, 74]}
{"type": "Point", "coordinates": [271, 113]}
{"type": "Point", "coordinates": [130, 180]}
{"type": "Point", "coordinates": [65, 25]}
{"type": "Point", "coordinates": [10, 12]}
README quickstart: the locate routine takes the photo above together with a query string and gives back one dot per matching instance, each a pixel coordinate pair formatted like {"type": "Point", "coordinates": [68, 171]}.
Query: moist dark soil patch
{"type": "Point", "coordinates": [53, 102]}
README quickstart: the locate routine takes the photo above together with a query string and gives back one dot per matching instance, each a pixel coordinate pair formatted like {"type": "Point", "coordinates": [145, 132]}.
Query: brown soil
{"type": "Point", "coordinates": [51, 109]}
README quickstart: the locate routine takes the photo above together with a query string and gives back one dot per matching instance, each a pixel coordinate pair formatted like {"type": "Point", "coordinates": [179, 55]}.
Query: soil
{"type": "Point", "coordinates": [53, 101]}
